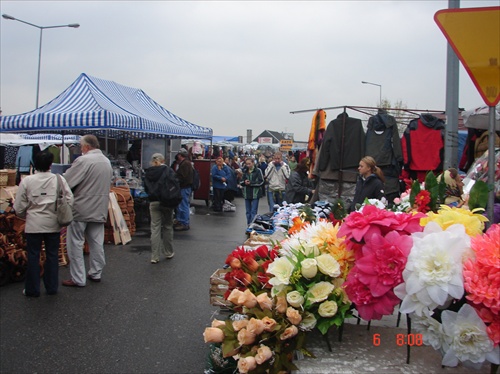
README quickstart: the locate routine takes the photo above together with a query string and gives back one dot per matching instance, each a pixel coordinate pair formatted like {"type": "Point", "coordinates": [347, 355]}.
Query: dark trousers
{"type": "Point", "coordinates": [218, 199]}
{"type": "Point", "coordinates": [51, 267]}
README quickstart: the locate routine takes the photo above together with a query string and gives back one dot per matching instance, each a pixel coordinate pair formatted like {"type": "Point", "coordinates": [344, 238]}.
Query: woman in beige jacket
{"type": "Point", "coordinates": [36, 202]}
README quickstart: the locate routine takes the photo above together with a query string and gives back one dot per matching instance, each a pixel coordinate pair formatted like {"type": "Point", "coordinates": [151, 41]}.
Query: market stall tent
{"type": "Point", "coordinates": [104, 108]}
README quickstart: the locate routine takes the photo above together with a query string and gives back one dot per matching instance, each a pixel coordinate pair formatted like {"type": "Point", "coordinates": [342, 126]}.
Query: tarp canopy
{"type": "Point", "coordinates": [104, 108]}
{"type": "Point", "coordinates": [25, 139]}
{"type": "Point", "coordinates": [479, 118]}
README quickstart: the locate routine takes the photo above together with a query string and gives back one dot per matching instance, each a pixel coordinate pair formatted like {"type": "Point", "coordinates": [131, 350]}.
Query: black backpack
{"type": "Point", "coordinates": [196, 180]}
{"type": "Point", "coordinates": [170, 195]}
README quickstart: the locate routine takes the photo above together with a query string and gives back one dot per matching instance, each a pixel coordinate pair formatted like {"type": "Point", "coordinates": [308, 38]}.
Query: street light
{"type": "Point", "coordinates": [73, 25]}
{"type": "Point", "coordinates": [375, 84]}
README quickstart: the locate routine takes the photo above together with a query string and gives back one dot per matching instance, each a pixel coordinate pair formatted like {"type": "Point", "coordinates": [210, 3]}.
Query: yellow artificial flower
{"type": "Point", "coordinates": [446, 216]}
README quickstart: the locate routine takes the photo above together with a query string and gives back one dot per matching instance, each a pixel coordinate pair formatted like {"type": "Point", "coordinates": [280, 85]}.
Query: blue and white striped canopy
{"type": "Point", "coordinates": [104, 108]}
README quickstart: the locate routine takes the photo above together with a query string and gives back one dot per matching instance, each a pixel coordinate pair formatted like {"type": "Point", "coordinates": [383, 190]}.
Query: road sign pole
{"type": "Point", "coordinates": [452, 86]}
{"type": "Point", "coordinates": [491, 164]}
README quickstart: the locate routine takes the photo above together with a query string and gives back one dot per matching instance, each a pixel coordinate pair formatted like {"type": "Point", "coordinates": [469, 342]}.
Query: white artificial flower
{"type": "Point", "coordinates": [309, 268]}
{"type": "Point", "coordinates": [282, 269]}
{"type": "Point", "coordinates": [327, 309]}
{"type": "Point", "coordinates": [381, 204]}
{"type": "Point", "coordinates": [433, 272]}
{"type": "Point", "coordinates": [431, 330]}
{"type": "Point", "coordinates": [308, 322]}
{"type": "Point", "coordinates": [328, 265]}
{"type": "Point", "coordinates": [468, 340]}
{"type": "Point", "coordinates": [319, 292]}
{"type": "Point", "coordinates": [295, 299]}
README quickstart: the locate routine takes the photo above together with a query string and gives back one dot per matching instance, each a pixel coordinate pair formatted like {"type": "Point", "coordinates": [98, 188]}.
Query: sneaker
{"type": "Point", "coordinates": [170, 256]}
{"type": "Point", "coordinates": [155, 261]}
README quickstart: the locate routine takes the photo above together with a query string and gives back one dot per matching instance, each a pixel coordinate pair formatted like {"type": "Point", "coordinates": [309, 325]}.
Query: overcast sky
{"type": "Point", "coordinates": [234, 66]}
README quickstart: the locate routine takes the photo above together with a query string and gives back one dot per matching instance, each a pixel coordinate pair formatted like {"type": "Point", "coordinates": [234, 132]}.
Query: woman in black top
{"type": "Point", "coordinates": [299, 185]}
{"type": "Point", "coordinates": [370, 184]}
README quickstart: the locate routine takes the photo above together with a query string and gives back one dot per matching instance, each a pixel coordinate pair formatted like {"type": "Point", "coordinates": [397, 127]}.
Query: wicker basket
{"type": "Point", "coordinates": [4, 177]}
{"type": "Point", "coordinates": [11, 180]}
{"type": "Point", "coordinates": [218, 286]}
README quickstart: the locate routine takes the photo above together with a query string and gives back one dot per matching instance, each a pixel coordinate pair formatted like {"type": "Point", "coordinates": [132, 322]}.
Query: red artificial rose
{"type": "Point", "coordinates": [262, 252]}
{"type": "Point", "coordinates": [251, 264]}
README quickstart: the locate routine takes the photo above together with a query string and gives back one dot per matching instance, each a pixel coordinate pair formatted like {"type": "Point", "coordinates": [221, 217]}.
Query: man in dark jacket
{"type": "Point", "coordinates": [185, 176]}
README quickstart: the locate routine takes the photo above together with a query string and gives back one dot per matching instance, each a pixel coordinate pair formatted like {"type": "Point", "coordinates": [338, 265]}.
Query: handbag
{"type": "Point", "coordinates": [63, 210]}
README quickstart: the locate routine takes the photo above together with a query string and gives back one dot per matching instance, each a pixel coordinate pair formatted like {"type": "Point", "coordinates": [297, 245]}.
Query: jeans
{"type": "Point", "coordinates": [183, 208]}
{"type": "Point", "coordinates": [50, 268]}
{"type": "Point", "coordinates": [251, 207]}
{"type": "Point", "coordinates": [162, 230]}
{"type": "Point", "coordinates": [93, 232]}
{"type": "Point", "coordinates": [275, 197]}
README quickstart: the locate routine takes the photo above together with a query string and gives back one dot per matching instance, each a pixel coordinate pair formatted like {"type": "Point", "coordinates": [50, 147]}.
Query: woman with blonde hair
{"type": "Point", "coordinates": [162, 217]}
{"type": "Point", "coordinates": [370, 184]}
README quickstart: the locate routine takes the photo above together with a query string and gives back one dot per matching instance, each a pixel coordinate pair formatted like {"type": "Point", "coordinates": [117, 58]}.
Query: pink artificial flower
{"type": "Point", "coordinates": [368, 306]}
{"type": "Point", "coordinates": [383, 261]}
{"type": "Point", "coordinates": [493, 331]}
{"type": "Point", "coordinates": [361, 225]}
{"type": "Point", "coordinates": [408, 222]}
{"type": "Point", "coordinates": [487, 247]}
{"type": "Point", "coordinates": [482, 274]}
{"type": "Point", "coordinates": [482, 284]}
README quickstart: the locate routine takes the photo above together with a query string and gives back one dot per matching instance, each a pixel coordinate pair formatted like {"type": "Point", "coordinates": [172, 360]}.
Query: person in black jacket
{"type": "Point", "coordinates": [299, 185]}
{"type": "Point", "coordinates": [370, 184]}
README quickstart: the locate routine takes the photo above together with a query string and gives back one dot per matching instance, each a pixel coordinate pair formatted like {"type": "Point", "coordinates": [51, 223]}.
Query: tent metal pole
{"type": "Point", "coordinates": [106, 144]}
{"type": "Point", "coordinates": [62, 148]}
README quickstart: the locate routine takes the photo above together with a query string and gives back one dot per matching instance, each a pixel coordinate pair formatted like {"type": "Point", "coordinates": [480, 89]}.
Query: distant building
{"type": "Point", "coordinates": [267, 135]}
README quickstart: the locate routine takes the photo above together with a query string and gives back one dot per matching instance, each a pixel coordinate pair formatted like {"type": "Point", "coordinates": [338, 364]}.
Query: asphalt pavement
{"type": "Point", "coordinates": [141, 318]}
{"type": "Point", "coordinates": [145, 318]}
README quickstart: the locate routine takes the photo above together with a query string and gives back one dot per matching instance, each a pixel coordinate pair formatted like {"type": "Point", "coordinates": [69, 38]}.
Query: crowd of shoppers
{"type": "Point", "coordinates": [86, 187]}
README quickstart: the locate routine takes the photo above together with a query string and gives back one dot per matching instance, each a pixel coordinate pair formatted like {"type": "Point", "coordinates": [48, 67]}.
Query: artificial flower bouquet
{"type": "Point", "coordinates": [248, 269]}
{"type": "Point", "coordinates": [381, 242]}
{"type": "Point", "coordinates": [309, 275]}
{"type": "Point", "coordinates": [263, 338]}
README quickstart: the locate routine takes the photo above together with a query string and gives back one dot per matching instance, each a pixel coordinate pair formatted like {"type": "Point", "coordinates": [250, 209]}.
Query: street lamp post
{"type": "Point", "coordinates": [41, 28]}
{"type": "Point", "coordinates": [379, 86]}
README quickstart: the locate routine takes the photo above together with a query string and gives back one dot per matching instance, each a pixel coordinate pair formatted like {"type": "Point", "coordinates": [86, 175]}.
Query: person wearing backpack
{"type": "Point", "coordinates": [162, 216]}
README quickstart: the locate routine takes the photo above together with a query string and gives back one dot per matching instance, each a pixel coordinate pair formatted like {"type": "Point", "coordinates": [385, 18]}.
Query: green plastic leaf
{"type": "Point", "coordinates": [415, 189]}
{"type": "Point", "coordinates": [478, 196]}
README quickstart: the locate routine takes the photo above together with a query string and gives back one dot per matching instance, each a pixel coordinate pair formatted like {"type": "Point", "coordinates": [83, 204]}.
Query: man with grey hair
{"type": "Point", "coordinates": [89, 177]}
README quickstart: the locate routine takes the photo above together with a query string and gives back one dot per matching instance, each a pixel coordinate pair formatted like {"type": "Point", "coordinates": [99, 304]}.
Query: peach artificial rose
{"type": "Point", "coordinates": [281, 304]}
{"type": "Point", "coordinates": [234, 296]}
{"type": "Point", "coordinates": [238, 325]}
{"type": "Point", "coordinates": [293, 315]}
{"type": "Point", "coordinates": [245, 337]}
{"type": "Point", "coordinates": [213, 335]}
{"type": "Point", "coordinates": [289, 332]}
{"type": "Point", "coordinates": [248, 299]}
{"type": "Point", "coordinates": [218, 323]}
{"type": "Point", "coordinates": [255, 326]}
{"type": "Point", "coordinates": [234, 262]}
{"type": "Point", "coordinates": [269, 324]}
{"type": "Point", "coordinates": [264, 353]}
{"type": "Point", "coordinates": [265, 301]}
{"type": "Point", "coordinates": [246, 364]}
